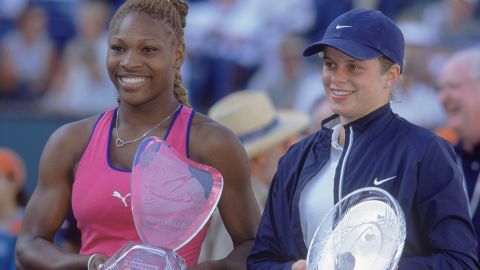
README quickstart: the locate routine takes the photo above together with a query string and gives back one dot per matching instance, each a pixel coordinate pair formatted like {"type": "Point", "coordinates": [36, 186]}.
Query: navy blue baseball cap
{"type": "Point", "coordinates": [362, 34]}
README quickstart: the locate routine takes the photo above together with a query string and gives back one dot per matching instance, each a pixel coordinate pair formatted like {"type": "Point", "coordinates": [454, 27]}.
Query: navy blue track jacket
{"type": "Point", "coordinates": [427, 184]}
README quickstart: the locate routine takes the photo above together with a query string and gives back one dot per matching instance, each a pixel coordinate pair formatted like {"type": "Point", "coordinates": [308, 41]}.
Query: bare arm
{"type": "Point", "coordinates": [49, 204]}
{"type": "Point", "coordinates": [238, 208]}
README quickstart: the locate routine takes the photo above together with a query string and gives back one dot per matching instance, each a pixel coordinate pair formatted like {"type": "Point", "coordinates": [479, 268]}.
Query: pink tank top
{"type": "Point", "coordinates": [101, 192]}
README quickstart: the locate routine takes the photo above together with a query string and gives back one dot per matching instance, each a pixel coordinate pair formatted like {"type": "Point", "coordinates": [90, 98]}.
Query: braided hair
{"type": "Point", "coordinates": [172, 12]}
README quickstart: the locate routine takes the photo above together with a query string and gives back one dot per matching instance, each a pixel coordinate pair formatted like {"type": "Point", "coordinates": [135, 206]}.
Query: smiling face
{"type": "Point", "coordinates": [142, 57]}
{"type": "Point", "coordinates": [460, 96]}
{"type": "Point", "coordinates": [356, 87]}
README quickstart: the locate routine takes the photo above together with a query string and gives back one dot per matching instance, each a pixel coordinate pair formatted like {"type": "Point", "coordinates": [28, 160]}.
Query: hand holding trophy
{"type": "Point", "coordinates": [364, 231]}
{"type": "Point", "coordinates": [173, 198]}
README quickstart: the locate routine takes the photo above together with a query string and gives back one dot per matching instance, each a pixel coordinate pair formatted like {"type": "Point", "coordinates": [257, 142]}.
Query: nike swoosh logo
{"type": "Point", "coordinates": [377, 182]}
{"type": "Point", "coordinates": [342, 26]}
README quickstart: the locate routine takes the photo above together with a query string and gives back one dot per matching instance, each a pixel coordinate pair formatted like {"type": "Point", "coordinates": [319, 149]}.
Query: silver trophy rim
{"type": "Point", "coordinates": [398, 210]}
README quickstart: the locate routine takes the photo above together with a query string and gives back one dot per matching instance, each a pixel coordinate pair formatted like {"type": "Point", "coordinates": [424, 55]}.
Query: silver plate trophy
{"type": "Point", "coordinates": [172, 199]}
{"type": "Point", "coordinates": [364, 231]}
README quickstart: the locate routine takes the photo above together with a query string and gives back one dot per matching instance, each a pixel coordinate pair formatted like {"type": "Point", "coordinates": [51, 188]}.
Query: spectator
{"type": "Point", "coordinates": [31, 55]}
{"type": "Point", "coordinates": [290, 82]}
{"type": "Point", "coordinates": [455, 21]}
{"type": "Point", "coordinates": [320, 110]}
{"type": "Point", "coordinates": [415, 98]}
{"type": "Point", "coordinates": [227, 42]}
{"type": "Point", "coordinates": [459, 84]}
{"type": "Point", "coordinates": [82, 72]}
{"type": "Point", "coordinates": [12, 202]}
{"type": "Point", "coordinates": [266, 133]}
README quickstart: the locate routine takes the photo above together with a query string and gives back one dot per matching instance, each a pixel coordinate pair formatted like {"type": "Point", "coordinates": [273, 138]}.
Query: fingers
{"type": "Point", "coordinates": [99, 261]}
{"type": "Point", "coordinates": [300, 265]}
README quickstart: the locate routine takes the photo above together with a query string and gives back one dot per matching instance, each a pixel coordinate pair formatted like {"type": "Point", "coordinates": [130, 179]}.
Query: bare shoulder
{"type": "Point", "coordinates": [80, 128]}
{"type": "Point", "coordinates": [69, 141]}
{"type": "Point", "coordinates": [209, 138]}
{"type": "Point", "coordinates": [215, 145]}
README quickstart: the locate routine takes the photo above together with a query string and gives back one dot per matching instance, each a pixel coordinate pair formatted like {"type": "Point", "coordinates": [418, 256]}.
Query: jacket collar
{"type": "Point", "coordinates": [362, 123]}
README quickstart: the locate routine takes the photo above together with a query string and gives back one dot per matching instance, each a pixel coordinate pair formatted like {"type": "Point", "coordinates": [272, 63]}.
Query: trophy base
{"type": "Point", "coordinates": [139, 256]}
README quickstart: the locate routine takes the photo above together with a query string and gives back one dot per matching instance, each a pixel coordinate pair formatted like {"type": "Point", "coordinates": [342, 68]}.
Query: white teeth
{"type": "Point", "coordinates": [132, 80]}
{"type": "Point", "coordinates": [341, 92]}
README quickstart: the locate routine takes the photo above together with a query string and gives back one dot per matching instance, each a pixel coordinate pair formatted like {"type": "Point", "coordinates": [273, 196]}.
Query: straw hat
{"type": "Point", "coordinates": [12, 165]}
{"type": "Point", "coordinates": [252, 117]}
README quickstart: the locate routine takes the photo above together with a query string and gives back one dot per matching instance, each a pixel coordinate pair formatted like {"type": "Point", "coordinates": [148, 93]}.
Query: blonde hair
{"type": "Point", "coordinates": [385, 63]}
{"type": "Point", "coordinates": [172, 12]}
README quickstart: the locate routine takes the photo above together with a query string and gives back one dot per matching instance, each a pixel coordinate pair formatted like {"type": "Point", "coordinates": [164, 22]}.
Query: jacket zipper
{"type": "Point", "coordinates": [342, 171]}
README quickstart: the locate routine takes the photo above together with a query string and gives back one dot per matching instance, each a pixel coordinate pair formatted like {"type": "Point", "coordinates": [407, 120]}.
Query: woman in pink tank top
{"type": "Point", "coordinates": [87, 164]}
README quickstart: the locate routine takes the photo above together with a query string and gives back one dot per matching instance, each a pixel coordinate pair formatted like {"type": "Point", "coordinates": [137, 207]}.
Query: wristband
{"type": "Point", "coordinates": [90, 261]}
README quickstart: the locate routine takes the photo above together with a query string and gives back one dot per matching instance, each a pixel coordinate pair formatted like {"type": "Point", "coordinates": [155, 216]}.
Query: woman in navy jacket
{"type": "Point", "coordinates": [366, 144]}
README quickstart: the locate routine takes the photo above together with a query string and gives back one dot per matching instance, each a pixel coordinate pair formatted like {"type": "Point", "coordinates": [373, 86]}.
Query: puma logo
{"type": "Point", "coordinates": [117, 194]}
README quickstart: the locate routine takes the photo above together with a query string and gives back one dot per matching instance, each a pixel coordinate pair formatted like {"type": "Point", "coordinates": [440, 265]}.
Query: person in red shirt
{"type": "Point", "coordinates": [12, 202]}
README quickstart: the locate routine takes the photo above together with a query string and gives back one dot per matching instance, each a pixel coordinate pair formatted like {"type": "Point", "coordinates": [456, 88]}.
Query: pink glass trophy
{"type": "Point", "coordinates": [172, 199]}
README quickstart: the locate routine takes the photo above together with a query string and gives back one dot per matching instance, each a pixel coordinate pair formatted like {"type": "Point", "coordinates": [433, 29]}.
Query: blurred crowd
{"type": "Point", "coordinates": [53, 52]}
